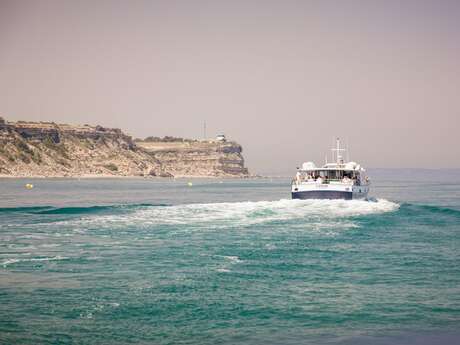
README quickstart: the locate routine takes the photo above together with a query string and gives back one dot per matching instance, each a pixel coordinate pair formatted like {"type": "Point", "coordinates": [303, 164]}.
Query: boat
{"type": "Point", "coordinates": [337, 180]}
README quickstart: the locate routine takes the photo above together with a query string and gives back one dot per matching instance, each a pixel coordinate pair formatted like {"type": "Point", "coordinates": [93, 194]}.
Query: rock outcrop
{"type": "Point", "coordinates": [46, 149]}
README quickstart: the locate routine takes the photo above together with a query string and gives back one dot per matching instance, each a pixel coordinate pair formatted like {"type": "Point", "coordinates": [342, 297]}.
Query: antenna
{"type": "Point", "coordinates": [348, 152]}
{"type": "Point", "coordinates": [204, 130]}
{"type": "Point", "coordinates": [332, 153]}
{"type": "Point", "coordinates": [339, 156]}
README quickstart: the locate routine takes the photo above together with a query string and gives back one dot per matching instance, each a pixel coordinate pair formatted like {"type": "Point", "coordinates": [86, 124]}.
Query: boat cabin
{"type": "Point", "coordinates": [330, 175]}
{"type": "Point", "coordinates": [350, 172]}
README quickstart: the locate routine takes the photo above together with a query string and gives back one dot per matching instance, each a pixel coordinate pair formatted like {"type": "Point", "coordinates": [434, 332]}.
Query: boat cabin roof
{"type": "Point", "coordinates": [352, 166]}
{"type": "Point", "coordinates": [331, 169]}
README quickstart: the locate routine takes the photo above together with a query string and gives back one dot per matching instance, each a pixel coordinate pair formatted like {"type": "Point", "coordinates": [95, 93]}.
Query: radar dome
{"type": "Point", "coordinates": [351, 166]}
{"type": "Point", "coordinates": [308, 166]}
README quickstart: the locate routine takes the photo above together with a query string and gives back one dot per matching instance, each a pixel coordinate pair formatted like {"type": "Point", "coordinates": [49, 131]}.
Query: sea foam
{"type": "Point", "coordinates": [13, 261]}
{"type": "Point", "coordinates": [218, 215]}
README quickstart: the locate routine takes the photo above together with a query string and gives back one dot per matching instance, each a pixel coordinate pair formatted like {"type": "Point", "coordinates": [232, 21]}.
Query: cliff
{"type": "Point", "coordinates": [197, 158]}
{"type": "Point", "coordinates": [46, 149]}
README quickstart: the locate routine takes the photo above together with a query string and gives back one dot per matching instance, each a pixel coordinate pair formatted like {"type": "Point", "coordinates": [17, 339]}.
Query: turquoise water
{"type": "Point", "coordinates": [119, 261]}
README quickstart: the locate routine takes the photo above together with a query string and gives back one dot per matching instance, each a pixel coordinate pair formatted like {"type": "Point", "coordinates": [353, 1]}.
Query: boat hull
{"type": "Point", "coordinates": [322, 194]}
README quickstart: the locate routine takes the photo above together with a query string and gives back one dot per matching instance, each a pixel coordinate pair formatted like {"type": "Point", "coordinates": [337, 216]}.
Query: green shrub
{"type": "Point", "coordinates": [36, 157]}
{"type": "Point", "coordinates": [87, 143]}
{"type": "Point", "coordinates": [23, 147]}
{"type": "Point", "coordinates": [24, 158]}
{"type": "Point", "coordinates": [59, 148]}
{"type": "Point", "coordinates": [111, 167]}
{"type": "Point", "coordinates": [48, 142]}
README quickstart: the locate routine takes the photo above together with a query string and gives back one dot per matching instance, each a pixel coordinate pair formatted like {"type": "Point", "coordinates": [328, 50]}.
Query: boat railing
{"type": "Point", "coordinates": [326, 181]}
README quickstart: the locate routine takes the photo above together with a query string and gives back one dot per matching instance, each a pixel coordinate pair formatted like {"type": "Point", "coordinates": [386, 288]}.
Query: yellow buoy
{"type": "Point", "coordinates": [190, 184]}
{"type": "Point", "coordinates": [29, 185]}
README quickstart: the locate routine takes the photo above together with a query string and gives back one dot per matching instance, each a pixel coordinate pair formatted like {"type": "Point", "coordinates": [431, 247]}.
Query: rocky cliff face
{"type": "Point", "coordinates": [50, 149]}
{"type": "Point", "coordinates": [198, 158]}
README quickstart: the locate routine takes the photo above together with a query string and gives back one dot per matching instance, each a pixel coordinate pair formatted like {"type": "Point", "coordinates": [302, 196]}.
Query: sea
{"type": "Point", "coordinates": [229, 261]}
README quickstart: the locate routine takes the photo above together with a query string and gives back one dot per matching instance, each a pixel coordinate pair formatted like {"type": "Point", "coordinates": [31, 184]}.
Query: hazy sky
{"type": "Point", "coordinates": [283, 78]}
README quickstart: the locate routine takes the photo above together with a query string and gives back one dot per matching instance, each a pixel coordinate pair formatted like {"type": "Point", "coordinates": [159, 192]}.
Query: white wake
{"type": "Point", "coordinates": [248, 213]}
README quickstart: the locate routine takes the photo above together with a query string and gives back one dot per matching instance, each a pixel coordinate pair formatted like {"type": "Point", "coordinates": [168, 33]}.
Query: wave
{"type": "Point", "coordinates": [440, 209]}
{"type": "Point", "coordinates": [32, 209]}
{"type": "Point", "coordinates": [76, 209]}
{"type": "Point", "coordinates": [412, 209]}
{"type": "Point", "coordinates": [13, 261]}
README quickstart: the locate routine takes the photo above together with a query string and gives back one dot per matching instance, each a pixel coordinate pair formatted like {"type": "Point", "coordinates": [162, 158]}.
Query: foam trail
{"type": "Point", "coordinates": [75, 209]}
{"type": "Point", "coordinates": [248, 213]}
{"type": "Point", "coordinates": [253, 212]}
{"type": "Point", "coordinates": [13, 261]}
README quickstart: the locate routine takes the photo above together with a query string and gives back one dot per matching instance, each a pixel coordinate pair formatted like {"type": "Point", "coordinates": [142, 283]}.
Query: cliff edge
{"type": "Point", "coordinates": [47, 149]}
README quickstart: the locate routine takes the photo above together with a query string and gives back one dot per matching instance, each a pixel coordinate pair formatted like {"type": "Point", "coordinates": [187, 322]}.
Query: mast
{"type": "Point", "coordinates": [348, 152]}
{"type": "Point", "coordinates": [339, 158]}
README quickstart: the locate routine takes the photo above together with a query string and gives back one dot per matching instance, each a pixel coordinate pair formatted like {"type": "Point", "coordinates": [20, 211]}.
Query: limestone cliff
{"type": "Point", "coordinates": [45, 149]}
{"type": "Point", "coordinates": [198, 158]}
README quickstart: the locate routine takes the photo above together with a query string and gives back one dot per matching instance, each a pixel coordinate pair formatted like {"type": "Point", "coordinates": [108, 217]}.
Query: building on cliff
{"type": "Point", "coordinates": [221, 137]}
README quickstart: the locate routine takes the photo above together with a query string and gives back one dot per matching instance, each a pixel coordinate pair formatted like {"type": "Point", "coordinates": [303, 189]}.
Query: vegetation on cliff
{"type": "Point", "coordinates": [165, 139]}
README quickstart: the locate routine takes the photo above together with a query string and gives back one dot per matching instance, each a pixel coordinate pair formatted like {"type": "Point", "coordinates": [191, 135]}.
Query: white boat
{"type": "Point", "coordinates": [338, 180]}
